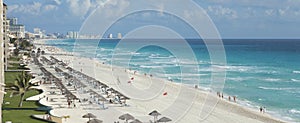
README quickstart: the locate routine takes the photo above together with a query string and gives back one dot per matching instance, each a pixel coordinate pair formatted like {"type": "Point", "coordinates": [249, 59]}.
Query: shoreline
{"type": "Point", "coordinates": [222, 101]}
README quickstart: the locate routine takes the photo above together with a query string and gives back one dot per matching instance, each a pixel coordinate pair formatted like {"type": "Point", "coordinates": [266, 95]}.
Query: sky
{"type": "Point", "coordinates": [232, 18]}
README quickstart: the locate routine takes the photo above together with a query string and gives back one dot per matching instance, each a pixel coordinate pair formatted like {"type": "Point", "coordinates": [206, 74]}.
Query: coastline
{"type": "Point", "coordinates": [237, 112]}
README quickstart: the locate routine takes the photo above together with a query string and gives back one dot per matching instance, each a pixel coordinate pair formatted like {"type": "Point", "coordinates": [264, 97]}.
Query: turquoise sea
{"type": "Point", "coordinates": [260, 72]}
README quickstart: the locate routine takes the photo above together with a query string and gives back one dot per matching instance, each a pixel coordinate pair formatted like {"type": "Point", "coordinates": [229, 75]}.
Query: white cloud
{"type": "Point", "coordinates": [58, 2]}
{"type": "Point", "coordinates": [270, 12]}
{"type": "Point", "coordinates": [53, 2]}
{"type": "Point", "coordinates": [79, 7]}
{"type": "Point", "coordinates": [50, 7]}
{"type": "Point", "coordinates": [222, 11]}
{"type": "Point", "coordinates": [193, 14]}
{"type": "Point", "coordinates": [281, 12]}
{"type": "Point", "coordinates": [114, 8]}
{"type": "Point", "coordinates": [82, 8]}
{"type": "Point", "coordinates": [161, 8]}
{"type": "Point", "coordinates": [33, 8]}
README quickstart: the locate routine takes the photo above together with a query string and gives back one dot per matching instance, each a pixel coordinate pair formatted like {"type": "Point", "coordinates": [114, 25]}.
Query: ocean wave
{"type": "Point", "coordinates": [282, 89]}
{"type": "Point", "coordinates": [237, 79]}
{"type": "Point", "coordinates": [233, 68]}
{"type": "Point", "coordinates": [158, 56]}
{"type": "Point", "coordinates": [294, 111]}
{"type": "Point", "coordinates": [272, 79]}
{"type": "Point", "coordinates": [125, 53]}
{"type": "Point", "coordinates": [297, 72]}
{"type": "Point", "coordinates": [105, 49]}
{"type": "Point", "coordinates": [190, 79]}
{"type": "Point", "coordinates": [157, 66]}
{"type": "Point", "coordinates": [176, 63]}
{"type": "Point", "coordinates": [295, 80]}
{"type": "Point", "coordinates": [102, 55]}
{"type": "Point", "coordinates": [204, 88]}
{"type": "Point", "coordinates": [185, 74]}
{"type": "Point", "coordinates": [268, 88]}
{"type": "Point", "coordinates": [266, 71]}
{"type": "Point", "coordinates": [247, 103]}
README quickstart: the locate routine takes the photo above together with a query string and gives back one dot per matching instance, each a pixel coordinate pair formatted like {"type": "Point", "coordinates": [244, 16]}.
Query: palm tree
{"type": "Point", "coordinates": [21, 86]}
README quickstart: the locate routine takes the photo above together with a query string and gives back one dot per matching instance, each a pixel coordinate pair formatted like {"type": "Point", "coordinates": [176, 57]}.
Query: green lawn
{"type": "Point", "coordinates": [16, 66]}
{"type": "Point", "coordinates": [13, 66]}
{"type": "Point", "coordinates": [14, 58]}
{"type": "Point", "coordinates": [21, 116]}
{"type": "Point", "coordinates": [14, 100]}
{"type": "Point", "coordinates": [10, 77]}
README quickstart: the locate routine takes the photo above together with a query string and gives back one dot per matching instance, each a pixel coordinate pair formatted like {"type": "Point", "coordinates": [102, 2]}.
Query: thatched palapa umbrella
{"type": "Point", "coordinates": [89, 115]}
{"type": "Point", "coordinates": [126, 117]}
{"type": "Point", "coordinates": [154, 114]}
{"type": "Point", "coordinates": [164, 119]}
{"type": "Point", "coordinates": [95, 121]}
{"type": "Point", "coordinates": [136, 121]}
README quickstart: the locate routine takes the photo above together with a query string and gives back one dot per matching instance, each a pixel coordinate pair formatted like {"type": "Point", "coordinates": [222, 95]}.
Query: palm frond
{"type": "Point", "coordinates": [13, 93]}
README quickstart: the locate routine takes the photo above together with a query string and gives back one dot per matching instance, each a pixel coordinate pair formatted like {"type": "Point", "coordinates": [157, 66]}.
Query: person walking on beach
{"type": "Point", "coordinates": [119, 82]}
{"type": "Point", "coordinates": [69, 103]}
{"type": "Point", "coordinates": [234, 98]}
{"type": "Point", "coordinates": [261, 109]}
{"type": "Point", "coordinates": [264, 110]}
{"type": "Point", "coordinates": [229, 98]}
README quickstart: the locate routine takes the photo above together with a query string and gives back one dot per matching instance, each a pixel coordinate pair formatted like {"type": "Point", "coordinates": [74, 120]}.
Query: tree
{"type": "Point", "coordinates": [39, 50]}
{"type": "Point", "coordinates": [24, 44]}
{"type": "Point", "coordinates": [21, 86]}
{"type": "Point", "coordinates": [16, 52]}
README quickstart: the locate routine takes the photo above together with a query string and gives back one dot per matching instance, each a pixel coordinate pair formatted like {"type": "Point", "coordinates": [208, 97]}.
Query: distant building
{"type": "Point", "coordinates": [13, 21]}
{"type": "Point", "coordinates": [89, 36]}
{"type": "Point", "coordinates": [110, 36]}
{"type": "Point", "coordinates": [6, 38]}
{"type": "Point", "coordinates": [38, 33]}
{"type": "Point", "coordinates": [72, 35]}
{"type": "Point", "coordinates": [29, 35]}
{"type": "Point", "coordinates": [58, 35]}
{"type": "Point", "coordinates": [2, 55]}
{"type": "Point", "coordinates": [51, 36]}
{"type": "Point", "coordinates": [18, 30]}
{"type": "Point", "coordinates": [119, 35]}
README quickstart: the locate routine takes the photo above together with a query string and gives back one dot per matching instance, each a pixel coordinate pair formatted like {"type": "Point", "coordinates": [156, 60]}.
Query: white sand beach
{"type": "Point", "coordinates": [181, 103]}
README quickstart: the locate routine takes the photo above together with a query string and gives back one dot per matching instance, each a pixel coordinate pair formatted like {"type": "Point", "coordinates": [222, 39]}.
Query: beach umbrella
{"type": "Point", "coordinates": [126, 117]}
{"type": "Point", "coordinates": [110, 89]}
{"type": "Point", "coordinates": [103, 100]}
{"type": "Point", "coordinates": [136, 121]}
{"type": "Point", "coordinates": [95, 121]}
{"type": "Point", "coordinates": [124, 97]}
{"type": "Point", "coordinates": [154, 114]}
{"type": "Point", "coordinates": [164, 119]}
{"type": "Point", "coordinates": [89, 115]}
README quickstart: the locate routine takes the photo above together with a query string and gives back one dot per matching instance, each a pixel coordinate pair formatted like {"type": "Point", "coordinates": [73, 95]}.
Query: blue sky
{"type": "Point", "coordinates": [233, 18]}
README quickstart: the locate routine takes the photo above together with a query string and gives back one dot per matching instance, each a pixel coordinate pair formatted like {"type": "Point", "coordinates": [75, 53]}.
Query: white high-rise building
{"type": "Point", "coordinates": [38, 33]}
{"type": "Point", "coordinates": [110, 36]}
{"type": "Point", "coordinates": [16, 29]}
{"type": "Point", "coordinates": [13, 21]}
{"type": "Point", "coordinates": [2, 88]}
{"type": "Point", "coordinates": [119, 35]}
{"type": "Point", "coordinates": [72, 35]}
